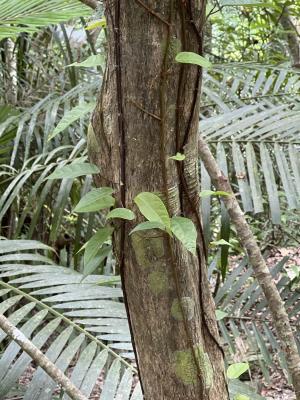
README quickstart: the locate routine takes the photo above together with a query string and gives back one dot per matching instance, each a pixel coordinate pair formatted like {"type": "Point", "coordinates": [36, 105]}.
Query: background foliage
{"type": "Point", "coordinates": [250, 117]}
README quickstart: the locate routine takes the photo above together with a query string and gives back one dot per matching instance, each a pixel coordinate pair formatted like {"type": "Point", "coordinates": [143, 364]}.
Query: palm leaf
{"type": "Point", "coordinates": [29, 15]}
{"type": "Point", "coordinates": [78, 320]}
{"type": "Point", "coordinates": [254, 119]}
{"type": "Point", "coordinates": [247, 329]}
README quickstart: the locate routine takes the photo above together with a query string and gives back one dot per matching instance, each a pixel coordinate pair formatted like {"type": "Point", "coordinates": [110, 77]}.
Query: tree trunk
{"type": "Point", "coordinates": [292, 35]}
{"type": "Point", "coordinates": [147, 110]}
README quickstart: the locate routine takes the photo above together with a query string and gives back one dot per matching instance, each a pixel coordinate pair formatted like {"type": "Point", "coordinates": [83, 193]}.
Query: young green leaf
{"type": "Point", "coordinates": [96, 24]}
{"type": "Point", "coordinates": [246, 3]}
{"type": "Point", "coordinates": [207, 193]}
{"type": "Point", "coordinates": [94, 244]}
{"type": "Point", "coordinates": [91, 61]}
{"type": "Point", "coordinates": [152, 207]}
{"type": "Point", "coordinates": [220, 242]}
{"type": "Point", "coordinates": [185, 231]}
{"type": "Point", "coordinates": [122, 213]}
{"type": "Point", "coordinates": [178, 157]}
{"type": "Point", "coordinates": [188, 57]}
{"type": "Point", "coordinates": [95, 200]}
{"type": "Point", "coordinates": [143, 226]}
{"type": "Point", "coordinates": [234, 371]}
{"type": "Point", "coordinates": [220, 315]}
{"type": "Point", "coordinates": [74, 170]}
{"type": "Point", "coordinates": [241, 397]}
{"type": "Point", "coordinates": [72, 116]}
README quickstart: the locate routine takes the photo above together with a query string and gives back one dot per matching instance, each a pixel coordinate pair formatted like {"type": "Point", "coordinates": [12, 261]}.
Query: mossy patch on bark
{"type": "Point", "coordinates": [186, 369]}
{"type": "Point", "coordinates": [183, 308]}
{"type": "Point", "coordinates": [148, 247]}
{"type": "Point", "coordinates": [158, 282]}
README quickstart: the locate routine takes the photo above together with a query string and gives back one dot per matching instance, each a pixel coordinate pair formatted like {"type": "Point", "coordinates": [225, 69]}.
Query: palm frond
{"type": "Point", "coordinates": [78, 321]}
{"type": "Point", "coordinates": [259, 136]}
{"type": "Point", "coordinates": [28, 16]}
{"type": "Point", "coordinates": [247, 329]}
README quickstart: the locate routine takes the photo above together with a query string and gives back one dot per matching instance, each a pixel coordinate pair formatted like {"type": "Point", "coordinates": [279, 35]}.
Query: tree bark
{"type": "Point", "coordinates": [279, 315]}
{"type": "Point", "coordinates": [148, 110]}
{"type": "Point", "coordinates": [292, 36]}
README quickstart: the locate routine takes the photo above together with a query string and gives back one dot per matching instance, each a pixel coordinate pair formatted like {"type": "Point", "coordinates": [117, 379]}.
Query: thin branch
{"type": "Point", "coordinates": [90, 3]}
{"type": "Point", "coordinates": [42, 361]}
{"type": "Point", "coordinates": [262, 273]}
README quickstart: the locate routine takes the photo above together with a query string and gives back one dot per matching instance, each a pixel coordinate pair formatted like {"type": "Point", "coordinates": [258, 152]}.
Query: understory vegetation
{"type": "Point", "coordinates": [60, 282]}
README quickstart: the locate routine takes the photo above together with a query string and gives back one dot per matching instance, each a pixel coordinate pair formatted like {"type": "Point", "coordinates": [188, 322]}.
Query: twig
{"type": "Point", "coordinates": [150, 11]}
{"type": "Point", "coordinates": [144, 110]}
{"type": "Point", "coordinates": [90, 3]}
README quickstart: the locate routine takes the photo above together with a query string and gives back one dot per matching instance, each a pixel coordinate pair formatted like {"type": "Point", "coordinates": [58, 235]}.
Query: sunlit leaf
{"type": "Point", "coordinates": [220, 242]}
{"type": "Point", "coordinates": [178, 157]}
{"type": "Point", "coordinates": [185, 231]}
{"type": "Point", "coordinates": [188, 57]}
{"type": "Point", "coordinates": [94, 244]}
{"type": "Point", "coordinates": [234, 371]}
{"type": "Point", "coordinates": [206, 193]}
{"type": "Point", "coordinates": [91, 61]}
{"type": "Point", "coordinates": [74, 170]}
{"type": "Point", "coordinates": [122, 213]}
{"type": "Point", "coordinates": [152, 207]}
{"type": "Point", "coordinates": [143, 226]}
{"type": "Point", "coordinates": [72, 116]}
{"type": "Point", "coordinates": [95, 200]}
{"type": "Point", "coordinates": [220, 315]}
{"type": "Point", "coordinates": [96, 24]}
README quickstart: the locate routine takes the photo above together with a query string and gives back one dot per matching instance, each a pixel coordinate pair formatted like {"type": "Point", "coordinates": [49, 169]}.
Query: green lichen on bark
{"type": "Point", "coordinates": [183, 308]}
{"type": "Point", "coordinates": [158, 282]}
{"type": "Point", "coordinates": [188, 372]}
{"type": "Point", "coordinates": [149, 248]}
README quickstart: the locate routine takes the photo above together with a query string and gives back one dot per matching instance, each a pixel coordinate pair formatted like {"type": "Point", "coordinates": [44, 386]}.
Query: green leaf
{"type": "Point", "coordinates": [92, 61]}
{"type": "Point", "coordinates": [178, 157]}
{"type": "Point", "coordinates": [72, 116]}
{"type": "Point", "coordinates": [122, 213]}
{"type": "Point", "coordinates": [95, 200]}
{"type": "Point", "coordinates": [234, 371]}
{"type": "Point", "coordinates": [220, 315]}
{"type": "Point", "coordinates": [185, 231]}
{"type": "Point", "coordinates": [95, 261]}
{"type": "Point", "coordinates": [29, 16]}
{"type": "Point", "coordinates": [247, 3]}
{"type": "Point", "coordinates": [220, 242]}
{"type": "Point", "coordinates": [74, 170]}
{"type": "Point", "coordinates": [152, 207]}
{"type": "Point", "coordinates": [241, 397]}
{"type": "Point", "coordinates": [188, 57]}
{"type": "Point", "coordinates": [207, 193]}
{"type": "Point", "coordinates": [143, 226]}
{"type": "Point", "coordinates": [96, 24]}
{"type": "Point", "coordinates": [93, 246]}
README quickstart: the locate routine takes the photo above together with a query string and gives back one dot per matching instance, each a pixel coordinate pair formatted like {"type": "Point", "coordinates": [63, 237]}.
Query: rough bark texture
{"type": "Point", "coordinates": [147, 111]}
{"type": "Point", "coordinates": [292, 37]}
{"type": "Point", "coordinates": [279, 315]}
{"type": "Point", "coordinates": [41, 360]}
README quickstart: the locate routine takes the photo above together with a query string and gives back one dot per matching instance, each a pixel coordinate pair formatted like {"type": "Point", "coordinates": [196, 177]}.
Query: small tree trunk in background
{"type": "Point", "coordinates": [293, 38]}
{"type": "Point", "coordinates": [279, 315]}
{"type": "Point", "coordinates": [148, 110]}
